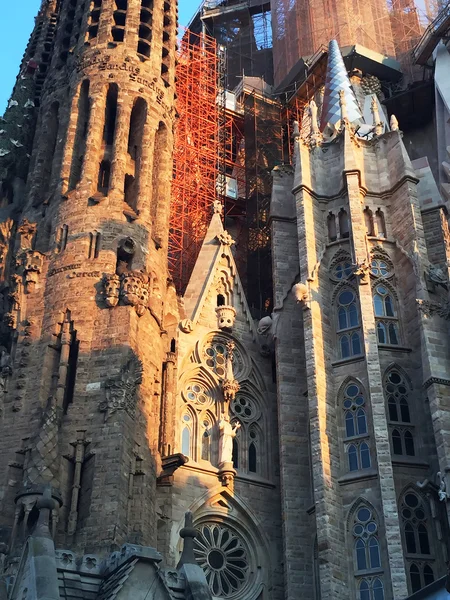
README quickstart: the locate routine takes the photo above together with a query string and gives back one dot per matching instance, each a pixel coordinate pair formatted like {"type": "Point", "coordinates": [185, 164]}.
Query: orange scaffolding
{"type": "Point", "coordinates": [195, 153]}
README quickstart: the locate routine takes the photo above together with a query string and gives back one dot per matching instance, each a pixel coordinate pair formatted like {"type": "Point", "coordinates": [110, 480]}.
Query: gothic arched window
{"type": "Point", "coordinates": [381, 223]}
{"type": "Point", "coordinates": [396, 393]}
{"type": "Point", "coordinates": [344, 226]}
{"type": "Point", "coordinates": [331, 224]}
{"type": "Point", "coordinates": [348, 324]}
{"type": "Point", "coordinates": [385, 316]}
{"type": "Point", "coordinates": [366, 554]}
{"type": "Point", "coordinates": [250, 436]}
{"type": "Point", "coordinates": [186, 435]}
{"type": "Point", "coordinates": [356, 427]}
{"type": "Point", "coordinates": [414, 514]}
{"type": "Point", "coordinates": [368, 220]}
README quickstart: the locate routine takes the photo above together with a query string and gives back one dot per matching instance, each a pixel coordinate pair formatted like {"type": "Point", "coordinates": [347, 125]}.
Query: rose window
{"type": "Point", "coordinates": [244, 408]}
{"type": "Point", "coordinates": [223, 557]}
{"type": "Point", "coordinates": [215, 355]}
{"type": "Point", "coordinates": [197, 393]}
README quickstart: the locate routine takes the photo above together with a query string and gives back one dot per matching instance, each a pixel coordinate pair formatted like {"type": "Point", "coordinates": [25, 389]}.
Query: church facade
{"type": "Point", "coordinates": [165, 445]}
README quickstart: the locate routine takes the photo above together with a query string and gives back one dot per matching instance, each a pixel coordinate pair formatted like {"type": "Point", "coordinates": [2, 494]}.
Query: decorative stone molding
{"type": "Point", "coordinates": [302, 295]}
{"type": "Point", "coordinates": [226, 316]}
{"type": "Point", "coordinates": [217, 207]}
{"type": "Point", "coordinates": [186, 326]}
{"type": "Point", "coordinates": [362, 271]}
{"type": "Point", "coordinates": [435, 380]}
{"type": "Point", "coordinates": [121, 390]}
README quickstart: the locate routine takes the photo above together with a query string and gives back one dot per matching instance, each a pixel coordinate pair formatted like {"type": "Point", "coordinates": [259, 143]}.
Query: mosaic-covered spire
{"type": "Point", "coordinates": [336, 80]}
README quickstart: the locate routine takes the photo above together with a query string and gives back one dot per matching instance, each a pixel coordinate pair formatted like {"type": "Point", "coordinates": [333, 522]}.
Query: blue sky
{"type": "Point", "coordinates": [16, 24]}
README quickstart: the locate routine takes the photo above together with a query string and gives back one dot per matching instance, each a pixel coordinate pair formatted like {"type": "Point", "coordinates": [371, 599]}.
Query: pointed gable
{"type": "Point", "coordinates": [215, 273]}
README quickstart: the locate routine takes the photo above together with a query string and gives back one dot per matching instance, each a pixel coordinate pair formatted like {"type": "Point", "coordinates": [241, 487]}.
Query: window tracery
{"type": "Point", "coordinates": [385, 316]}
{"type": "Point", "coordinates": [414, 515]}
{"type": "Point", "coordinates": [224, 557]}
{"type": "Point", "coordinates": [366, 554]}
{"type": "Point", "coordinates": [396, 391]}
{"type": "Point", "coordinates": [348, 323]}
{"type": "Point", "coordinates": [356, 437]}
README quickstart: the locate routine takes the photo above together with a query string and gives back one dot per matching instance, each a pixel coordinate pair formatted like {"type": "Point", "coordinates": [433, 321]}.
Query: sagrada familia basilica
{"type": "Point", "coordinates": [273, 424]}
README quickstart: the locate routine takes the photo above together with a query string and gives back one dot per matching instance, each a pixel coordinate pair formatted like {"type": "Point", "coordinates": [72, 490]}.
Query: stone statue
{"type": "Point", "coordinates": [442, 492]}
{"type": "Point", "coordinates": [226, 434]}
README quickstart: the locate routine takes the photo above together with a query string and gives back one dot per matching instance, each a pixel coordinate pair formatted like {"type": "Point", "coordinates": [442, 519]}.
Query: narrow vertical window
{"type": "Point", "coordinates": [414, 575]}
{"type": "Point", "coordinates": [206, 446]}
{"type": "Point", "coordinates": [110, 114]}
{"type": "Point", "coordinates": [252, 458]}
{"type": "Point", "coordinates": [367, 555]}
{"type": "Point", "coordinates": [80, 135]}
{"type": "Point", "coordinates": [348, 322]}
{"type": "Point", "coordinates": [186, 441]}
{"type": "Point", "coordinates": [368, 220]}
{"type": "Point", "coordinates": [120, 19]}
{"type": "Point", "coordinates": [235, 454]}
{"type": "Point", "coordinates": [145, 28]}
{"type": "Point", "coordinates": [344, 226]}
{"type": "Point", "coordinates": [381, 224]}
{"type": "Point", "coordinates": [331, 224]}
{"type": "Point", "coordinates": [137, 124]}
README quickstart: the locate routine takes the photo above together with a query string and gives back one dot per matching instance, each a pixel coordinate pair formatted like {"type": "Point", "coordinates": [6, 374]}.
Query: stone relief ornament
{"type": "Point", "coordinates": [26, 231]}
{"type": "Point", "coordinates": [226, 316]}
{"type": "Point", "coordinates": [301, 294]}
{"type": "Point", "coordinates": [230, 385]}
{"type": "Point", "coordinates": [32, 262]}
{"type": "Point", "coordinates": [435, 276]}
{"type": "Point", "coordinates": [121, 391]}
{"type": "Point", "coordinates": [186, 326]}
{"type": "Point", "coordinates": [111, 290]}
{"type": "Point", "coordinates": [225, 238]}
{"type": "Point", "coordinates": [434, 308]}
{"type": "Point", "coordinates": [362, 271]}
{"type": "Point", "coordinates": [442, 492]}
{"type": "Point", "coordinates": [217, 207]}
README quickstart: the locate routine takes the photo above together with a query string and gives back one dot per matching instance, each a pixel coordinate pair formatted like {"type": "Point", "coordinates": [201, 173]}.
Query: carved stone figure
{"type": "Point", "coordinates": [227, 432]}
{"type": "Point", "coordinates": [266, 336]}
{"type": "Point", "coordinates": [393, 123]}
{"type": "Point", "coordinates": [217, 207]}
{"type": "Point", "coordinates": [26, 231]}
{"type": "Point", "coordinates": [301, 294]}
{"type": "Point", "coordinates": [442, 492]}
{"type": "Point", "coordinates": [134, 288]}
{"type": "Point", "coordinates": [435, 276]}
{"type": "Point", "coordinates": [121, 390]}
{"type": "Point", "coordinates": [32, 266]}
{"type": "Point", "coordinates": [226, 316]}
{"type": "Point", "coordinates": [362, 271]}
{"type": "Point", "coordinates": [230, 385]}
{"type": "Point", "coordinates": [112, 289]}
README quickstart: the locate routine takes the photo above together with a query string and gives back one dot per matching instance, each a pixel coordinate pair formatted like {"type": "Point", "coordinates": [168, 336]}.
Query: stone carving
{"type": "Point", "coordinates": [378, 123]}
{"type": "Point", "coordinates": [134, 290]}
{"type": "Point", "coordinates": [32, 262]}
{"type": "Point", "coordinates": [266, 336]}
{"type": "Point", "coordinates": [301, 294]}
{"type": "Point", "coordinates": [186, 326]}
{"type": "Point", "coordinates": [225, 238]}
{"type": "Point", "coordinates": [227, 432]}
{"type": "Point", "coordinates": [217, 207]}
{"type": "Point", "coordinates": [442, 492]}
{"type": "Point", "coordinates": [315, 136]}
{"type": "Point", "coordinates": [435, 276]}
{"type": "Point", "coordinates": [434, 308]}
{"type": "Point", "coordinates": [5, 368]}
{"type": "Point", "coordinates": [362, 271]}
{"type": "Point", "coordinates": [230, 385]}
{"type": "Point", "coordinates": [132, 287]}
{"type": "Point", "coordinates": [121, 390]}
{"type": "Point", "coordinates": [111, 290]}
{"type": "Point", "coordinates": [393, 123]}
{"type": "Point", "coordinates": [26, 231]}
{"type": "Point", "coordinates": [226, 316]}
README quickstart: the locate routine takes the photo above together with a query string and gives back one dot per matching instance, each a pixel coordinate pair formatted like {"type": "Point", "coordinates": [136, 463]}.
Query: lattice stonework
{"type": "Point", "coordinates": [195, 152]}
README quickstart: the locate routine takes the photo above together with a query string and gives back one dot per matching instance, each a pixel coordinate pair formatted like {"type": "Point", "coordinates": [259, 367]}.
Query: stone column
{"type": "Point", "coordinates": [120, 147]}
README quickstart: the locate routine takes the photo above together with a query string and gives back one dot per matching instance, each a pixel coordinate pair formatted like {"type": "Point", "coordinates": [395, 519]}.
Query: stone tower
{"type": "Point", "coordinates": [88, 309]}
{"type": "Point", "coordinates": [366, 241]}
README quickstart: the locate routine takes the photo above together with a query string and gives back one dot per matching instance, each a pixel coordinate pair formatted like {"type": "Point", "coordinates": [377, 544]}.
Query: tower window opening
{"type": "Point", "coordinates": [80, 135]}
{"type": "Point", "coordinates": [344, 226]}
{"type": "Point", "coordinates": [72, 372]}
{"type": "Point", "coordinates": [104, 176]}
{"type": "Point", "coordinates": [381, 223]}
{"type": "Point", "coordinates": [135, 139]}
{"type": "Point", "coordinates": [220, 300]}
{"type": "Point", "coordinates": [173, 345]}
{"type": "Point", "coordinates": [110, 114]}
{"type": "Point", "coordinates": [331, 224]}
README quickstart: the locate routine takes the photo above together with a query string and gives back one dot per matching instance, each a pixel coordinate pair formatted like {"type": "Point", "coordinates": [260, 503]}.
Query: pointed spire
{"type": "Point", "coordinates": [337, 80]}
